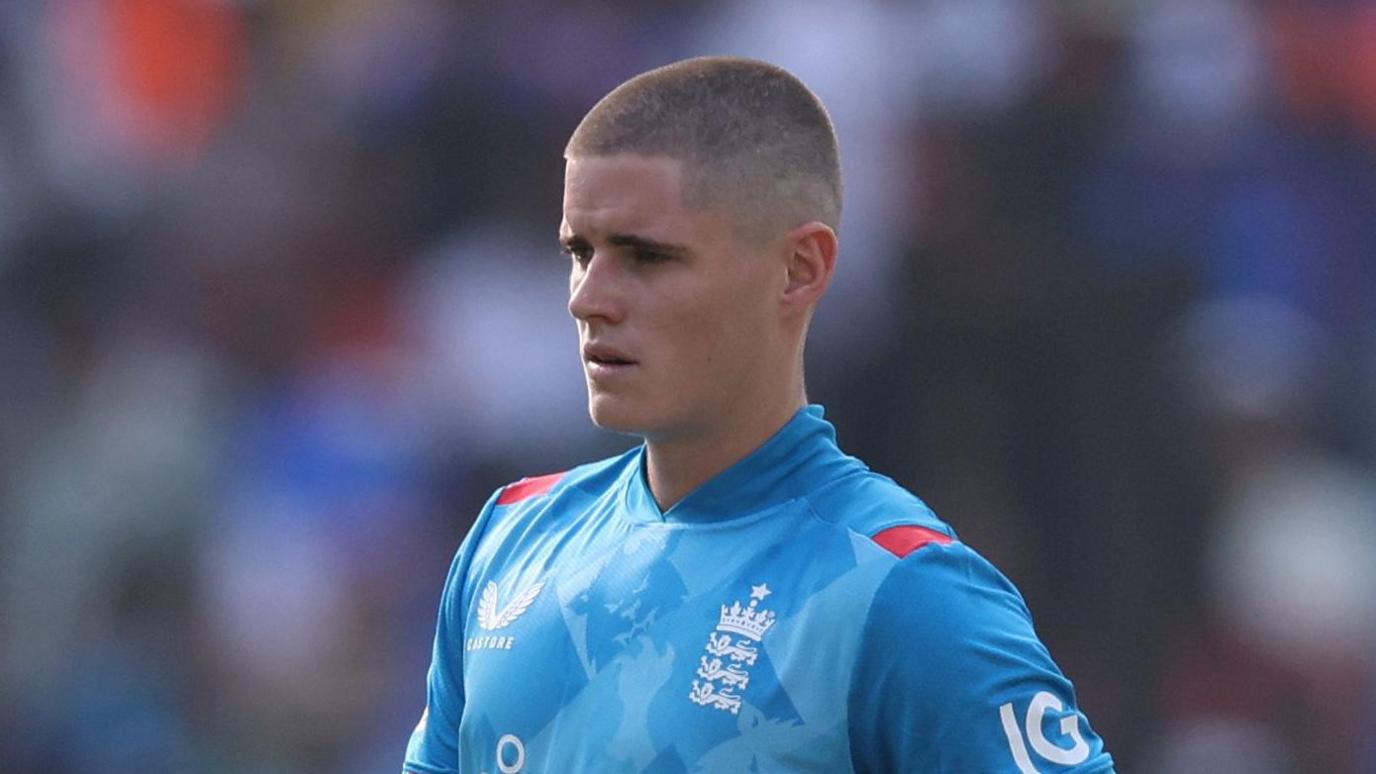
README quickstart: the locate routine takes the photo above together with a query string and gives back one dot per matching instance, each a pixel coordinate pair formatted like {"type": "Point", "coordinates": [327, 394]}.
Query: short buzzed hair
{"type": "Point", "coordinates": [753, 140]}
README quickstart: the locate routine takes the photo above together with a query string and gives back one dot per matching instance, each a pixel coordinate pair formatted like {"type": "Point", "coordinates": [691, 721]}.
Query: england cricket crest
{"type": "Point", "coordinates": [732, 647]}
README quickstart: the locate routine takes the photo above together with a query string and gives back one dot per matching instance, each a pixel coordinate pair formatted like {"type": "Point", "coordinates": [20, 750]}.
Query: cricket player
{"type": "Point", "coordinates": [735, 593]}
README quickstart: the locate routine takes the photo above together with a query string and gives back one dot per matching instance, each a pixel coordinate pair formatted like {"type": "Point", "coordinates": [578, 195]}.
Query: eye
{"type": "Point", "coordinates": [580, 253]}
{"type": "Point", "coordinates": [645, 255]}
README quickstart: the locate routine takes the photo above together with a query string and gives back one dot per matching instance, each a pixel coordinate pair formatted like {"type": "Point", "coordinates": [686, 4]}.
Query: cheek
{"type": "Point", "coordinates": [695, 333]}
{"type": "Point", "coordinates": [745, 309]}
{"type": "Point", "coordinates": [722, 337]}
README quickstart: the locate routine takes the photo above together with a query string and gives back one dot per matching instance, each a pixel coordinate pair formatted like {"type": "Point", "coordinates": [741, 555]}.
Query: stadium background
{"type": "Point", "coordinates": [280, 304]}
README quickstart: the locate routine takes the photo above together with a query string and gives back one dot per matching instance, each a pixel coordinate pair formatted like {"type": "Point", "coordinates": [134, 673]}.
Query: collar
{"type": "Point", "coordinates": [796, 460]}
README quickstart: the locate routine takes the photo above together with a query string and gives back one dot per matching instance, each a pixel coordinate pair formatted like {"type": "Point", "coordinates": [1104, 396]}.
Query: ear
{"type": "Point", "coordinates": [811, 262]}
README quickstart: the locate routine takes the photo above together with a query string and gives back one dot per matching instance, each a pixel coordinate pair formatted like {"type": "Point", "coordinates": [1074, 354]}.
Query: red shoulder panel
{"type": "Point", "coordinates": [901, 541]}
{"type": "Point", "coordinates": [528, 487]}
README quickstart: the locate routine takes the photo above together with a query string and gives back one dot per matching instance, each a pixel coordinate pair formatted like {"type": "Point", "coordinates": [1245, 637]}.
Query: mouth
{"type": "Point", "coordinates": [600, 359]}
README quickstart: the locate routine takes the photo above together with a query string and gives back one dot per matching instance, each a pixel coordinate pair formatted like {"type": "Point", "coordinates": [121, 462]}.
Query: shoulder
{"type": "Point", "coordinates": [591, 479]}
{"type": "Point", "coordinates": [543, 497]}
{"type": "Point", "coordinates": [533, 505]}
{"type": "Point", "coordinates": [948, 581]}
{"type": "Point", "coordinates": [875, 507]}
{"type": "Point", "coordinates": [949, 651]}
{"type": "Point", "coordinates": [932, 574]}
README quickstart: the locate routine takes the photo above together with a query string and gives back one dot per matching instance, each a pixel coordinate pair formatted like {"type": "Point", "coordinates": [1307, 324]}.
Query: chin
{"type": "Point", "coordinates": [619, 415]}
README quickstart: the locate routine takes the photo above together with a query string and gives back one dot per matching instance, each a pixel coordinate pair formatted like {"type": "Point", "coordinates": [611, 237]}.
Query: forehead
{"type": "Point", "coordinates": [623, 193]}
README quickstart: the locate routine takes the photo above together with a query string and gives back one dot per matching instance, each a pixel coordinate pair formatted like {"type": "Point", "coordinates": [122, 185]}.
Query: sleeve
{"type": "Point", "coordinates": [434, 745]}
{"type": "Point", "coordinates": [952, 678]}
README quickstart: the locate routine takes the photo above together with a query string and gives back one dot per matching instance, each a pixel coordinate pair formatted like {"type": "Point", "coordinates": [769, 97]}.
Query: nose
{"type": "Point", "coordinates": [595, 291]}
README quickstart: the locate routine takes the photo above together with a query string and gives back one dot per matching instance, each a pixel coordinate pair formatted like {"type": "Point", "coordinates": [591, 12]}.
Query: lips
{"type": "Point", "coordinates": [603, 355]}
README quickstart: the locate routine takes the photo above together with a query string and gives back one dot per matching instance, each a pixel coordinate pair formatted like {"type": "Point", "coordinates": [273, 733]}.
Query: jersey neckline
{"type": "Point", "coordinates": [799, 458]}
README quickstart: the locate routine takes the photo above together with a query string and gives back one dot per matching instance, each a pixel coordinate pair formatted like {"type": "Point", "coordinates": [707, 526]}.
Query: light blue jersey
{"type": "Point", "coordinates": [797, 613]}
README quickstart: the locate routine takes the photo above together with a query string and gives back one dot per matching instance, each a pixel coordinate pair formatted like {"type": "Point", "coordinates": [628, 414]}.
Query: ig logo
{"type": "Point", "coordinates": [1078, 752]}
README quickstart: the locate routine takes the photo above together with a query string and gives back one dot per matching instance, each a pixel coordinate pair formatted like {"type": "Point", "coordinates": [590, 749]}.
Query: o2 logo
{"type": "Point", "coordinates": [1078, 752]}
{"type": "Point", "coordinates": [511, 754]}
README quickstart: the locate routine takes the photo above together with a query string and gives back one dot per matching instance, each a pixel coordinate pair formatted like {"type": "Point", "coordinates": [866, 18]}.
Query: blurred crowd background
{"type": "Point", "coordinates": [281, 303]}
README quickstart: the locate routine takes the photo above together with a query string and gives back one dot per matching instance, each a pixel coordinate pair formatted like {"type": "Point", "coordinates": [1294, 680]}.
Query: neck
{"type": "Point", "coordinates": [677, 466]}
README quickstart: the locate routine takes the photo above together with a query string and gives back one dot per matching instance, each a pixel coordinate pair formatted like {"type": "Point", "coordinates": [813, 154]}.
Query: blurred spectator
{"type": "Point", "coordinates": [498, 357]}
{"type": "Point", "coordinates": [1289, 622]}
{"type": "Point", "coordinates": [122, 92]}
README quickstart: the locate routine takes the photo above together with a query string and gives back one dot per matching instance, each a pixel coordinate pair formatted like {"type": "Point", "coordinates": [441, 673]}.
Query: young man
{"type": "Point", "coordinates": [736, 594]}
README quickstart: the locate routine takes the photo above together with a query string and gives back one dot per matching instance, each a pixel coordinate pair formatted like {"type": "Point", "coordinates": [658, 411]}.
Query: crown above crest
{"type": "Point", "coordinates": [746, 621]}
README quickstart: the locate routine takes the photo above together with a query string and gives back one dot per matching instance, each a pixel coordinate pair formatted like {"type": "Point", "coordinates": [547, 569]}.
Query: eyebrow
{"type": "Point", "coordinates": [643, 243]}
{"type": "Point", "coordinates": [633, 241]}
